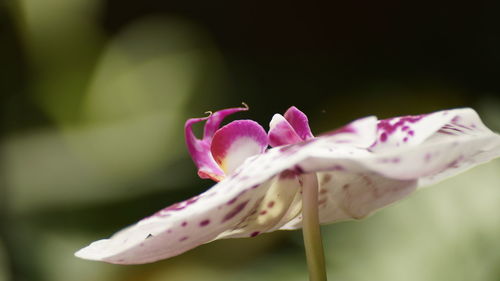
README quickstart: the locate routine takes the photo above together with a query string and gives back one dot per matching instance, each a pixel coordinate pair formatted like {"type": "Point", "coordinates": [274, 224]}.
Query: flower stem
{"type": "Point", "coordinates": [311, 228]}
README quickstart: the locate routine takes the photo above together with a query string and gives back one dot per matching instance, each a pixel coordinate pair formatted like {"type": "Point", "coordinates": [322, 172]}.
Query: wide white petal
{"type": "Point", "coordinates": [356, 178]}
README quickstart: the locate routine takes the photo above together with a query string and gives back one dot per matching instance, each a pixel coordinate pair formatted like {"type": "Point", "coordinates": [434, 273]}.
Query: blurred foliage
{"type": "Point", "coordinates": [94, 95]}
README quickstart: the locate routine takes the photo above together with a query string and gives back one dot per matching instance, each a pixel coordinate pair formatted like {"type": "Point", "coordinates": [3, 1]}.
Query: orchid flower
{"type": "Point", "coordinates": [340, 175]}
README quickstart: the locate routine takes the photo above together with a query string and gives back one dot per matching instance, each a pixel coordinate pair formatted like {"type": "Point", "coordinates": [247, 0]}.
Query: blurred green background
{"type": "Point", "coordinates": [94, 95]}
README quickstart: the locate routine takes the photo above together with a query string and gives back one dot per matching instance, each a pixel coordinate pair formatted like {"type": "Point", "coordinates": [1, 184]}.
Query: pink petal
{"type": "Point", "coordinates": [200, 149]}
{"type": "Point", "coordinates": [299, 122]}
{"type": "Point", "coordinates": [237, 141]}
{"type": "Point", "coordinates": [281, 132]}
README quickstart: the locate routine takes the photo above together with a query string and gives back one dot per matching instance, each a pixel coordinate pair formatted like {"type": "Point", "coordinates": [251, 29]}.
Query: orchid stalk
{"type": "Point", "coordinates": [289, 179]}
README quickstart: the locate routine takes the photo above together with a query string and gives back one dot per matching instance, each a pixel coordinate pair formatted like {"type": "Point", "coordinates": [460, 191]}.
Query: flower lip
{"type": "Point", "coordinates": [237, 141]}
{"type": "Point", "coordinates": [221, 150]}
{"type": "Point", "coordinates": [199, 149]}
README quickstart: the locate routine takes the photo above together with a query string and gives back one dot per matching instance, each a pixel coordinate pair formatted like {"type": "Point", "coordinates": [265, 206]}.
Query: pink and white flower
{"type": "Point", "coordinates": [361, 167]}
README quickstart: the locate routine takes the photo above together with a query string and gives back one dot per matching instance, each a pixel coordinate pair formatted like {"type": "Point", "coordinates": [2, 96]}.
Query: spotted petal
{"type": "Point", "coordinates": [356, 177]}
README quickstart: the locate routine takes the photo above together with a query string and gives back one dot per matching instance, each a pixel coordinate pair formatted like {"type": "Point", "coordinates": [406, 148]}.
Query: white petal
{"type": "Point", "coordinates": [375, 177]}
{"type": "Point", "coordinates": [181, 226]}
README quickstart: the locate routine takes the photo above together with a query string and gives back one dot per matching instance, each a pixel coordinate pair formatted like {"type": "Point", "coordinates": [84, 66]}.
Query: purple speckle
{"type": "Point", "coordinates": [270, 204]}
{"type": "Point", "coordinates": [405, 139]}
{"type": "Point", "coordinates": [298, 169]}
{"type": "Point", "coordinates": [383, 137]}
{"type": "Point", "coordinates": [183, 239]}
{"type": "Point", "coordinates": [230, 202]}
{"type": "Point", "coordinates": [455, 163]}
{"type": "Point", "coordinates": [386, 126]}
{"type": "Point", "coordinates": [255, 233]}
{"type": "Point", "coordinates": [235, 211]}
{"type": "Point", "coordinates": [396, 160]}
{"type": "Point", "coordinates": [338, 168]}
{"type": "Point", "coordinates": [411, 133]}
{"type": "Point", "coordinates": [184, 224]}
{"type": "Point", "coordinates": [263, 212]}
{"type": "Point", "coordinates": [204, 222]}
{"type": "Point", "coordinates": [327, 178]}
{"type": "Point", "coordinates": [288, 174]}
{"type": "Point", "coordinates": [428, 157]}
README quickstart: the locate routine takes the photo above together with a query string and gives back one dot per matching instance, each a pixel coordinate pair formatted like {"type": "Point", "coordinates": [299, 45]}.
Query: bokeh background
{"type": "Point", "coordinates": [94, 94]}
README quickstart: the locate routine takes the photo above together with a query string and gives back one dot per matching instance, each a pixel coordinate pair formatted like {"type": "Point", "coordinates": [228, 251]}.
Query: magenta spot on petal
{"type": "Point", "coordinates": [254, 234]}
{"type": "Point", "coordinates": [183, 239]}
{"type": "Point", "coordinates": [411, 133]}
{"type": "Point", "coordinates": [405, 139]}
{"type": "Point", "coordinates": [270, 204]}
{"type": "Point", "coordinates": [236, 210]}
{"type": "Point", "coordinates": [396, 160]}
{"type": "Point", "coordinates": [428, 157]}
{"type": "Point", "coordinates": [169, 231]}
{"type": "Point", "coordinates": [383, 137]}
{"type": "Point", "coordinates": [263, 212]}
{"type": "Point", "coordinates": [327, 178]}
{"type": "Point", "coordinates": [232, 201]}
{"type": "Point", "coordinates": [298, 169]}
{"type": "Point", "coordinates": [337, 168]}
{"type": "Point", "coordinates": [386, 126]}
{"type": "Point", "coordinates": [288, 174]}
{"type": "Point", "coordinates": [345, 186]}
{"type": "Point", "coordinates": [192, 200]}
{"type": "Point", "coordinates": [175, 207]}
{"type": "Point", "coordinates": [204, 222]}
{"type": "Point", "coordinates": [184, 224]}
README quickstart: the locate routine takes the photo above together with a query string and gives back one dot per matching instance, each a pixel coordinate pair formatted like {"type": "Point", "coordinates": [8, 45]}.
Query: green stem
{"type": "Point", "coordinates": [311, 229]}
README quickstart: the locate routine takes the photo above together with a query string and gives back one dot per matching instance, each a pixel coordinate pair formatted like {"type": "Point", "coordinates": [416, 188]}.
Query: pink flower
{"type": "Point", "coordinates": [361, 167]}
